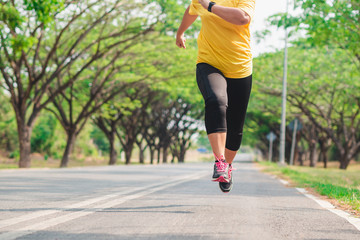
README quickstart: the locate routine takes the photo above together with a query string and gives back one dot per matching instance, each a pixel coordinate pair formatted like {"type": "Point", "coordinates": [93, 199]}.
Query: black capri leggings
{"type": "Point", "coordinates": [226, 101]}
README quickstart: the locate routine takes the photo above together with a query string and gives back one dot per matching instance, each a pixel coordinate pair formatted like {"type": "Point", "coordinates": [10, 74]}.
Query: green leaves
{"type": "Point", "coordinates": [333, 22]}
{"type": "Point", "coordinates": [323, 81]}
{"type": "Point", "coordinates": [43, 136]}
{"type": "Point", "coordinates": [21, 43]}
{"type": "Point", "coordinates": [10, 16]}
{"type": "Point", "coordinates": [44, 9]}
{"type": "Point", "coordinates": [17, 16]}
{"type": "Point", "coordinates": [173, 11]}
{"type": "Point", "coordinates": [13, 16]}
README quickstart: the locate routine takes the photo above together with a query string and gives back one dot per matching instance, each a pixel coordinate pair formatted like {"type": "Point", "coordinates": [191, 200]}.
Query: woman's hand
{"type": "Point", "coordinates": [185, 24]}
{"type": "Point", "coordinates": [180, 41]}
{"type": "Point", "coordinates": [204, 3]}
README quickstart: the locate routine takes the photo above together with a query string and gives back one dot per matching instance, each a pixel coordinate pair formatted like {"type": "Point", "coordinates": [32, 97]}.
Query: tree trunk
{"type": "Point", "coordinates": [325, 158]}
{"type": "Point", "coordinates": [343, 165]}
{"type": "Point", "coordinates": [141, 156]}
{"type": "Point", "coordinates": [300, 158]}
{"type": "Point", "coordinates": [71, 138]}
{"type": "Point", "coordinates": [344, 161]}
{"type": "Point", "coordinates": [296, 155]}
{"type": "Point", "coordinates": [128, 153]}
{"type": "Point", "coordinates": [24, 134]}
{"type": "Point", "coordinates": [141, 151]}
{"type": "Point", "coordinates": [312, 147]}
{"type": "Point", "coordinates": [174, 154]}
{"type": "Point", "coordinates": [323, 149]}
{"type": "Point", "coordinates": [158, 155]}
{"type": "Point", "coordinates": [181, 153]}
{"type": "Point", "coordinates": [313, 155]}
{"type": "Point", "coordinates": [182, 156]}
{"type": "Point", "coordinates": [152, 152]}
{"type": "Point", "coordinates": [113, 153]}
{"type": "Point", "coordinates": [165, 154]}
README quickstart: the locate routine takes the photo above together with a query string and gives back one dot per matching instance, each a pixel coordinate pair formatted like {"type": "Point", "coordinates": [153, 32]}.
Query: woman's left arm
{"type": "Point", "coordinates": [232, 15]}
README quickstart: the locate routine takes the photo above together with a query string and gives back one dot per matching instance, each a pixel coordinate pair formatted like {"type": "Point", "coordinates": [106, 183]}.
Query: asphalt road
{"type": "Point", "coordinates": [158, 202]}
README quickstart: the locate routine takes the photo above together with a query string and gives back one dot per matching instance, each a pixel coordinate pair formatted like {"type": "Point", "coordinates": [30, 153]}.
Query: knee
{"type": "Point", "coordinates": [215, 115]}
{"type": "Point", "coordinates": [215, 102]}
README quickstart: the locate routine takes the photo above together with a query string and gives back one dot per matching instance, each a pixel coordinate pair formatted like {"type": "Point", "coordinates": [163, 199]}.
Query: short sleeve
{"type": "Point", "coordinates": [195, 8]}
{"type": "Point", "coordinates": [247, 6]}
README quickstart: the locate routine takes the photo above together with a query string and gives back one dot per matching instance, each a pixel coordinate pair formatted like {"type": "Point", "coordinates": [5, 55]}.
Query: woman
{"type": "Point", "coordinates": [223, 73]}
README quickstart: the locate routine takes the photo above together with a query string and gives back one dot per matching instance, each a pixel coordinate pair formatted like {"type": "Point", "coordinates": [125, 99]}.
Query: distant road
{"type": "Point", "coordinates": [159, 202]}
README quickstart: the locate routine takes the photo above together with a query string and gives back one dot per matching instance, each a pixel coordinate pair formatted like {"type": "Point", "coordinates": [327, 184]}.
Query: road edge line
{"type": "Point", "coordinates": [327, 205]}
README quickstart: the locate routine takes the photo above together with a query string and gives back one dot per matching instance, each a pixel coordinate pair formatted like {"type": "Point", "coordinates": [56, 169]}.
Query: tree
{"type": "Point", "coordinates": [334, 104]}
{"type": "Point", "coordinates": [129, 126]}
{"type": "Point", "coordinates": [184, 125]}
{"type": "Point", "coordinates": [263, 115]}
{"type": "Point", "coordinates": [76, 104]}
{"type": "Point", "coordinates": [107, 122]}
{"type": "Point", "coordinates": [331, 25]}
{"type": "Point", "coordinates": [324, 86]}
{"type": "Point", "coordinates": [41, 42]}
{"type": "Point", "coordinates": [327, 23]}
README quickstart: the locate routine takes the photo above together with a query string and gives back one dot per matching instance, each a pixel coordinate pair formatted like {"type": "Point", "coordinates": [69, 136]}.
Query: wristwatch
{"type": "Point", "coordinates": [211, 4]}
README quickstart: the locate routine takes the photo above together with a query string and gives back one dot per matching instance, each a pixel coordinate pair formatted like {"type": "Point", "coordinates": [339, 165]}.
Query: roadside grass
{"type": "Point", "coordinates": [8, 166]}
{"type": "Point", "coordinates": [55, 163]}
{"type": "Point", "coordinates": [38, 160]}
{"type": "Point", "coordinates": [342, 185]}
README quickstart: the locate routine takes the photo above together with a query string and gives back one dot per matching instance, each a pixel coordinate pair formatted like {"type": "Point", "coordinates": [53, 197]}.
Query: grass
{"type": "Point", "coordinates": [35, 163]}
{"type": "Point", "coordinates": [8, 166]}
{"type": "Point", "coordinates": [342, 185]}
{"type": "Point", "coordinates": [38, 160]}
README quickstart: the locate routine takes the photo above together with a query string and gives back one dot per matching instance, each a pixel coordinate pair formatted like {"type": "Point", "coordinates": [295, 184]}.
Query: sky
{"type": "Point", "coordinates": [264, 9]}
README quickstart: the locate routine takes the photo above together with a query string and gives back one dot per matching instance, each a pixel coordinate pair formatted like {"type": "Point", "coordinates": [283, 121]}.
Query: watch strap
{"type": "Point", "coordinates": [211, 4]}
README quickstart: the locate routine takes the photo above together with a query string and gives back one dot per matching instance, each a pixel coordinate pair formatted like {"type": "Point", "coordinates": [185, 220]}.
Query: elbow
{"type": "Point", "coordinates": [242, 18]}
{"type": "Point", "coordinates": [243, 21]}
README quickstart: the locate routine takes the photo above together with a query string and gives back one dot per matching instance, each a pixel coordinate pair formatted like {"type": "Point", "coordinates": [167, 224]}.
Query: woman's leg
{"type": "Point", "coordinates": [229, 155]}
{"type": "Point", "coordinates": [212, 85]}
{"type": "Point", "coordinates": [238, 98]}
{"type": "Point", "coordinates": [217, 143]}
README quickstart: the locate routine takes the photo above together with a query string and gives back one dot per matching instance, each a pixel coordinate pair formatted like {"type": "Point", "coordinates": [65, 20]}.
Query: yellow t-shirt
{"type": "Point", "coordinates": [224, 45]}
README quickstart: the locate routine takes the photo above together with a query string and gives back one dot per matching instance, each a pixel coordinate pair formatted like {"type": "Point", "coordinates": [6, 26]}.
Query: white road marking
{"type": "Point", "coordinates": [30, 216]}
{"type": "Point", "coordinates": [26, 217]}
{"type": "Point", "coordinates": [90, 210]}
{"type": "Point", "coordinates": [284, 182]}
{"type": "Point", "coordinates": [327, 205]}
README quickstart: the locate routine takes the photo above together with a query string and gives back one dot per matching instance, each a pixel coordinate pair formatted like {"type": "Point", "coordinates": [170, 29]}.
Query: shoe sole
{"type": "Point", "coordinates": [220, 179]}
{"type": "Point", "coordinates": [225, 191]}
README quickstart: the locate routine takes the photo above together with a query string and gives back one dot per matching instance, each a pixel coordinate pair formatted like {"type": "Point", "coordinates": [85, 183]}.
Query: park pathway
{"type": "Point", "coordinates": [159, 202]}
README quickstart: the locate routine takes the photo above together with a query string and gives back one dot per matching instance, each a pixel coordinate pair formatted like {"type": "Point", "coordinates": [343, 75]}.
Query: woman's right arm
{"type": "Point", "coordinates": [185, 24]}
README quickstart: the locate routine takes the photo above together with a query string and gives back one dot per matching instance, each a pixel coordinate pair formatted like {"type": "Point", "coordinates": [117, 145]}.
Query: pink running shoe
{"type": "Point", "coordinates": [221, 171]}
{"type": "Point", "coordinates": [227, 186]}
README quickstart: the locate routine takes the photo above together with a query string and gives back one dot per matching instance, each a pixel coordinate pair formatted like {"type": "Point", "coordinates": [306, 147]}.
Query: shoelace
{"type": "Point", "coordinates": [230, 170]}
{"type": "Point", "coordinates": [220, 165]}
